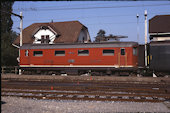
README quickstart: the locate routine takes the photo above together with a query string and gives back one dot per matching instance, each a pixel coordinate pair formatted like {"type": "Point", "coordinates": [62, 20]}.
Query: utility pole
{"type": "Point", "coordinates": [21, 26]}
{"type": "Point", "coordinates": [137, 16]}
{"type": "Point", "coordinates": [145, 37]}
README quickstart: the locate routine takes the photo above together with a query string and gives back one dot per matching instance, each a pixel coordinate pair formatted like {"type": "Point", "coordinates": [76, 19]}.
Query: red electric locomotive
{"type": "Point", "coordinates": [79, 58]}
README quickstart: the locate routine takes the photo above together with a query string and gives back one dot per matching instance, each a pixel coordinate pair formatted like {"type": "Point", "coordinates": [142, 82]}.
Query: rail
{"type": "Point", "coordinates": [9, 69]}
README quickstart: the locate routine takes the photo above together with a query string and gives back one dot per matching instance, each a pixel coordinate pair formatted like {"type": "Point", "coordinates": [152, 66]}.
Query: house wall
{"type": "Point", "coordinates": [44, 32]}
{"type": "Point", "coordinates": [83, 34]}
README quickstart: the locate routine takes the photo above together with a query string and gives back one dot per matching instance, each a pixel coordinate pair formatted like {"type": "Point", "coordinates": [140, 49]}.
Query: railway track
{"type": "Point", "coordinates": [115, 91]}
{"type": "Point", "coordinates": [77, 95]}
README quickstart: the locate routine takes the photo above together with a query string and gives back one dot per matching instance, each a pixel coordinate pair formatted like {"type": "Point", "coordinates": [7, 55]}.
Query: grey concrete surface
{"type": "Point", "coordinates": [22, 105]}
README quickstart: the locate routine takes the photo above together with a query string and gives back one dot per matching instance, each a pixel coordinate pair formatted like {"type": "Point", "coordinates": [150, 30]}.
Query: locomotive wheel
{"type": "Point", "coordinates": [161, 74]}
{"type": "Point", "coordinates": [29, 72]}
{"type": "Point", "coordinates": [115, 74]}
{"type": "Point", "coordinates": [132, 74]}
{"type": "Point", "coordinates": [95, 73]}
{"type": "Point", "coordinates": [108, 72]}
{"type": "Point", "coordinates": [44, 73]}
{"type": "Point", "coordinates": [51, 72]}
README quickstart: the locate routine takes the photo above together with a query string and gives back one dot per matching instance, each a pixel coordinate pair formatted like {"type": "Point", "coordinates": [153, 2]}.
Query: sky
{"type": "Point", "coordinates": [115, 17]}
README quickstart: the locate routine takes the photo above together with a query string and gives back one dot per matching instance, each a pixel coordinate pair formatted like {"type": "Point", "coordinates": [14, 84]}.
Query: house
{"type": "Point", "coordinates": [159, 28]}
{"type": "Point", "coordinates": [55, 32]}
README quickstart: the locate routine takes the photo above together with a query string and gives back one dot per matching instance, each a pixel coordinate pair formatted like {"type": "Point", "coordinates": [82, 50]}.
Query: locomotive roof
{"type": "Point", "coordinates": [79, 45]}
{"type": "Point", "coordinates": [159, 24]}
{"type": "Point", "coordinates": [160, 43]}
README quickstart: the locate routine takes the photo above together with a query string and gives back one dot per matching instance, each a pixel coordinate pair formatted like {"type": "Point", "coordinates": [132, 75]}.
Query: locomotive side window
{"type": "Point", "coordinates": [108, 52]}
{"type": "Point", "coordinates": [26, 53]}
{"type": "Point", "coordinates": [83, 52]}
{"type": "Point", "coordinates": [122, 51]}
{"type": "Point", "coordinates": [59, 53]}
{"type": "Point", "coordinates": [135, 51]}
{"type": "Point", "coordinates": [38, 53]}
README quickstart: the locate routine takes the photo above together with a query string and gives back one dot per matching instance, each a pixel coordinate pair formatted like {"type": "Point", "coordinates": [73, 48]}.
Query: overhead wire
{"type": "Point", "coordinates": [105, 16]}
{"type": "Point", "coordinates": [91, 17]}
{"type": "Point", "coordinates": [113, 23]}
{"type": "Point", "coordinates": [97, 7]}
{"type": "Point", "coordinates": [75, 5]}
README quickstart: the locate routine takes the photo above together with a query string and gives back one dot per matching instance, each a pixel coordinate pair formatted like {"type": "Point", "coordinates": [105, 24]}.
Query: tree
{"type": "Point", "coordinates": [100, 35]}
{"type": "Point", "coordinates": [8, 52]}
{"type": "Point", "coordinates": [6, 21]}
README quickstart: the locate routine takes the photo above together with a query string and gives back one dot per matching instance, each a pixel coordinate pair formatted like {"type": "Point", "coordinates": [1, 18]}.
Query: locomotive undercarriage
{"type": "Point", "coordinates": [131, 71]}
{"type": "Point", "coordinates": [92, 71]}
{"type": "Point", "coordinates": [161, 74]}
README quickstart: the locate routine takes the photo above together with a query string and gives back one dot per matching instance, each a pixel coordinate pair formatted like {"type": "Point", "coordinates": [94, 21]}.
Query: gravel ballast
{"type": "Point", "coordinates": [84, 78]}
{"type": "Point", "coordinates": [23, 105]}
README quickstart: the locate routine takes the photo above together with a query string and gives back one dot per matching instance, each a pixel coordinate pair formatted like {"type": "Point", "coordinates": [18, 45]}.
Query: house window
{"type": "Point", "coordinates": [135, 51]}
{"type": "Point", "coordinates": [83, 52]}
{"type": "Point", "coordinates": [59, 53]}
{"type": "Point", "coordinates": [38, 53]}
{"type": "Point", "coordinates": [108, 52]}
{"type": "Point", "coordinates": [45, 39]}
{"type": "Point", "coordinates": [26, 53]}
{"type": "Point", "coordinates": [83, 39]}
{"type": "Point", "coordinates": [122, 51]}
{"type": "Point", "coordinates": [42, 39]}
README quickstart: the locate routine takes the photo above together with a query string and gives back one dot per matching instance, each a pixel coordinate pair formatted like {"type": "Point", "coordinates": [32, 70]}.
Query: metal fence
{"type": "Point", "coordinates": [9, 69]}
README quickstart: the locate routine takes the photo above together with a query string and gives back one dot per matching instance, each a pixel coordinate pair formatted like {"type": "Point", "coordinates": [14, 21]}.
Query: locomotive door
{"type": "Point", "coordinates": [122, 57]}
{"type": "Point", "coordinates": [71, 57]}
{"type": "Point", "coordinates": [71, 62]}
{"type": "Point", "coordinates": [27, 56]}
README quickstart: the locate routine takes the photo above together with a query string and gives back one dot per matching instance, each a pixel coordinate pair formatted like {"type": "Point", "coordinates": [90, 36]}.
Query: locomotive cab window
{"type": "Point", "coordinates": [135, 51]}
{"type": "Point", "coordinates": [108, 52]}
{"type": "Point", "coordinates": [122, 51]}
{"type": "Point", "coordinates": [83, 52]}
{"type": "Point", "coordinates": [26, 53]}
{"type": "Point", "coordinates": [59, 53]}
{"type": "Point", "coordinates": [38, 53]}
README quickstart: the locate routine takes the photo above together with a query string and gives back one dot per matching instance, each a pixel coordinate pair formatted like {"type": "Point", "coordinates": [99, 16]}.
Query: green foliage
{"type": "Point", "coordinates": [100, 35]}
{"type": "Point", "coordinates": [8, 52]}
{"type": "Point", "coordinates": [6, 21]}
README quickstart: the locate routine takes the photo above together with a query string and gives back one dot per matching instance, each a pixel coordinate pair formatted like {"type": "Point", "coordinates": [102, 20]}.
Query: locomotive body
{"type": "Point", "coordinates": [79, 58]}
{"type": "Point", "coordinates": [160, 57]}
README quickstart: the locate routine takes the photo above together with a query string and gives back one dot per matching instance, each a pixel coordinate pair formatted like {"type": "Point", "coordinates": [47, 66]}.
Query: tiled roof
{"type": "Point", "coordinates": [69, 31]}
